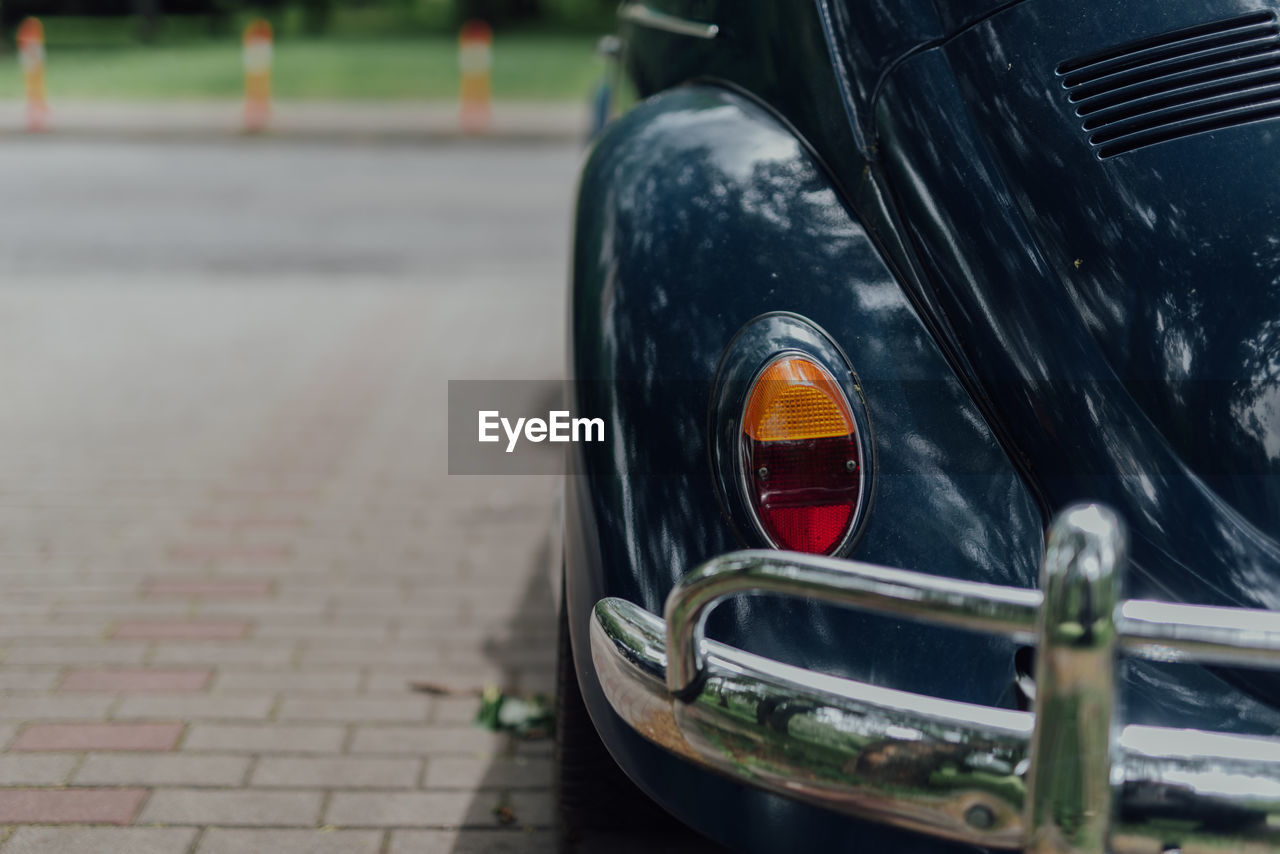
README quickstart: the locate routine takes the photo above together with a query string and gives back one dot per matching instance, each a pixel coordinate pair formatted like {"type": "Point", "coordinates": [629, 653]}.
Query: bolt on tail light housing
{"type": "Point", "coordinates": [790, 445]}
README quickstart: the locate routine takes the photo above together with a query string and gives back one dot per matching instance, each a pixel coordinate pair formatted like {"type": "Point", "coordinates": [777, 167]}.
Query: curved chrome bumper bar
{"type": "Point", "coordinates": [1059, 779]}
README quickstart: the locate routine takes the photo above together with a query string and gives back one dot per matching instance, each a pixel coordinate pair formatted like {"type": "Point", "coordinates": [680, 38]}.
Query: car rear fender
{"type": "Point", "coordinates": [699, 211]}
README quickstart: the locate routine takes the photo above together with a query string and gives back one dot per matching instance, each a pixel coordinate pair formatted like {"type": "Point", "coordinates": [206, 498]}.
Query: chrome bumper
{"type": "Point", "coordinates": [1063, 778]}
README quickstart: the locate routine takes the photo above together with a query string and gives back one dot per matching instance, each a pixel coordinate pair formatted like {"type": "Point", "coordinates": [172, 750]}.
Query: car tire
{"type": "Point", "coordinates": [595, 798]}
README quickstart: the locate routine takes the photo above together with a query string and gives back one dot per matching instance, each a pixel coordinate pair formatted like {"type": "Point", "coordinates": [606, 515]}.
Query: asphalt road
{"type": "Point", "coordinates": [426, 215]}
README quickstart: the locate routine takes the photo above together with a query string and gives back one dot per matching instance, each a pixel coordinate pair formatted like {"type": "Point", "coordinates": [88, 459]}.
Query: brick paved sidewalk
{"type": "Point", "coordinates": [227, 545]}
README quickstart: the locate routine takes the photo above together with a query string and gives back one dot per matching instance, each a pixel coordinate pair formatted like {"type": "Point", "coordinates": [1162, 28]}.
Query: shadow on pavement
{"type": "Point", "coordinates": [520, 776]}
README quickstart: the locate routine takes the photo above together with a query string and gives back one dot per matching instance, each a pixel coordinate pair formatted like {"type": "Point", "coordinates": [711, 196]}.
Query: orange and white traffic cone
{"type": "Point", "coordinates": [475, 62]}
{"type": "Point", "coordinates": [257, 75]}
{"type": "Point", "coordinates": [31, 56]}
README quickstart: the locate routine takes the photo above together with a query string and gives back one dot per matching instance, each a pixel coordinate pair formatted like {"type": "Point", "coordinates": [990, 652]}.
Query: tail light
{"type": "Point", "coordinates": [802, 468]}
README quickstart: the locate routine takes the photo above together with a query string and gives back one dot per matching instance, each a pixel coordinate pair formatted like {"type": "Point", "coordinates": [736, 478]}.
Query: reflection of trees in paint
{"type": "Point", "coordinates": [696, 218]}
{"type": "Point", "coordinates": [1174, 280]}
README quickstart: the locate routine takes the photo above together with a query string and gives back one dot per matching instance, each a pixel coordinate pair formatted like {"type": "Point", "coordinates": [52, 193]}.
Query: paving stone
{"type": "Point", "coordinates": [221, 840]}
{"type": "Point", "coordinates": [35, 769]}
{"type": "Point", "coordinates": [162, 769]}
{"type": "Point", "coordinates": [69, 806]}
{"type": "Point", "coordinates": [346, 772]}
{"type": "Point", "coordinates": [181, 630]}
{"type": "Point", "coordinates": [24, 609]}
{"type": "Point", "coordinates": [427, 740]}
{"type": "Point", "coordinates": [262, 609]}
{"type": "Point", "coordinates": [470, 773]}
{"type": "Point", "coordinates": [54, 707]}
{"type": "Point", "coordinates": [28, 680]}
{"type": "Point", "coordinates": [124, 609]}
{"type": "Point", "coordinates": [405, 809]}
{"type": "Point", "coordinates": [250, 523]}
{"type": "Point", "coordinates": [455, 710]}
{"type": "Point", "coordinates": [321, 681]}
{"type": "Point", "coordinates": [267, 493]}
{"type": "Point", "coordinates": [355, 709]}
{"type": "Point", "coordinates": [217, 554]}
{"type": "Point", "coordinates": [85, 631]}
{"type": "Point", "coordinates": [153, 736]}
{"type": "Point", "coordinates": [136, 679]}
{"type": "Point", "coordinates": [372, 593]}
{"type": "Point", "coordinates": [240, 807]}
{"type": "Point", "coordinates": [193, 707]}
{"type": "Point", "coordinates": [537, 680]}
{"type": "Point", "coordinates": [532, 809]}
{"type": "Point", "coordinates": [218, 652]}
{"type": "Point", "coordinates": [532, 747]}
{"type": "Point", "coordinates": [463, 684]}
{"type": "Point", "coordinates": [347, 653]}
{"type": "Point", "coordinates": [514, 654]}
{"type": "Point", "coordinates": [513, 841]}
{"type": "Point", "coordinates": [329, 631]}
{"type": "Point", "coordinates": [77, 654]}
{"type": "Point", "coordinates": [273, 738]}
{"type": "Point", "coordinates": [100, 840]}
{"type": "Point", "coordinates": [402, 611]}
{"type": "Point", "coordinates": [226, 588]}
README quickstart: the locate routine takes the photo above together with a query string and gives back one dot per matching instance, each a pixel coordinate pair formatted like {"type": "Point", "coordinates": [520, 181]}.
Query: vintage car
{"type": "Point", "coordinates": [938, 343]}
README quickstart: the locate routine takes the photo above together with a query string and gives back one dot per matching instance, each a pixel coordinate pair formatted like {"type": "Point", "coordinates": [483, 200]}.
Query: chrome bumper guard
{"type": "Point", "coordinates": [1062, 778]}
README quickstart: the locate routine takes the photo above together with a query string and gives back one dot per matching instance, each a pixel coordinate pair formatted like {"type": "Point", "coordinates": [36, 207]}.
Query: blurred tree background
{"type": "Point", "coordinates": [325, 49]}
{"type": "Point", "coordinates": [90, 22]}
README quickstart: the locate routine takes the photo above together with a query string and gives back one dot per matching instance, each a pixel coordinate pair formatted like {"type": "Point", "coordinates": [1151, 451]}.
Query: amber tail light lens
{"type": "Point", "coordinates": [800, 453]}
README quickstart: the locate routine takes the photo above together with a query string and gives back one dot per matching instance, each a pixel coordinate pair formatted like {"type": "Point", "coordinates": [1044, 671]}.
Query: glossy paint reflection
{"type": "Point", "coordinates": [746, 225]}
{"type": "Point", "coordinates": [1170, 255]}
{"type": "Point", "coordinates": [1119, 312]}
{"type": "Point", "coordinates": [699, 212]}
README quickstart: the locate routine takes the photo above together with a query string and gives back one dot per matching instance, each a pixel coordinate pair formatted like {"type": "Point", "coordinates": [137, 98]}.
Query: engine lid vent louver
{"type": "Point", "coordinates": [1189, 81]}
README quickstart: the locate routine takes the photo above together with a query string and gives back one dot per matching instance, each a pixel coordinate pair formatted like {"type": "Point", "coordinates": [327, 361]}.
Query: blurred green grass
{"type": "Point", "coordinates": [526, 66]}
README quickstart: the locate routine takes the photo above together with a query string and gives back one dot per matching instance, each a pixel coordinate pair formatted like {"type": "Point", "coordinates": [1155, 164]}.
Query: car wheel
{"type": "Point", "coordinates": [596, 799]}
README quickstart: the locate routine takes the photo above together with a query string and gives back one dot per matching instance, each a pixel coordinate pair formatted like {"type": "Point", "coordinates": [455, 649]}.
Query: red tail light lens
{"type": "Point", "coordinates": [800, 454]}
